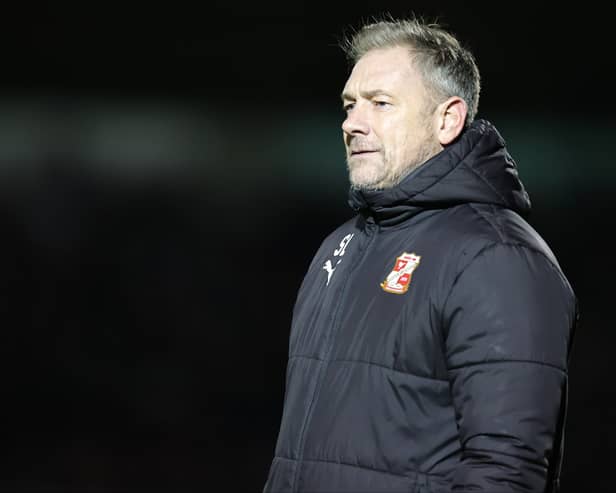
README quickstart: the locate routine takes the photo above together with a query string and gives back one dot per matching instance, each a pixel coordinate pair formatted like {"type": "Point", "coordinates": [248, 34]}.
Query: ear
{"type": "Point", "coordinates": [451, 116]}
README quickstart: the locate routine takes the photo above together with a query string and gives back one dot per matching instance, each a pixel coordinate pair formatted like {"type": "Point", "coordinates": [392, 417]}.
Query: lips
{"type": "Point", "coordinates": [364, 151]}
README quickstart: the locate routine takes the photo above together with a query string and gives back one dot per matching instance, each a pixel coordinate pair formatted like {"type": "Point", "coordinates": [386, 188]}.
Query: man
{"type": "Point", "coordinates": [431, 335]}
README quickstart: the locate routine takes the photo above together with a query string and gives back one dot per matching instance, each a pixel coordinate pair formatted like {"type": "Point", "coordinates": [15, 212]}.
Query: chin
{"type": "Point", "coordinates": [366, 175]}
{"type": "Point", "coordinates": [365, 182]}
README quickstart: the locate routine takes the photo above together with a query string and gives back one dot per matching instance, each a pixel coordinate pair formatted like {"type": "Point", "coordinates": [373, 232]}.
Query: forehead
{"type": "Point", "coordinates": [385, 69]}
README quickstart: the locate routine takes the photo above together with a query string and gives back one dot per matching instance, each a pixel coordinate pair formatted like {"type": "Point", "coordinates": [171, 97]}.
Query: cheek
{"type": "Point", "coordinates": [391, 136]}
{"type": "Point", "coordinates": [400, 142]}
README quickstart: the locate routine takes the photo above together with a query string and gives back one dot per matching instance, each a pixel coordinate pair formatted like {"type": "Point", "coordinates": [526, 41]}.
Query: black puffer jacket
{"type": "Point", "coordinates": [430, 340]}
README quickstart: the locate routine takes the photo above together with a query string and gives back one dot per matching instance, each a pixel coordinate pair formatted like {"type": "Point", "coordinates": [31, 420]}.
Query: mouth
{"type": "Point", "coordinates": [359, 153]}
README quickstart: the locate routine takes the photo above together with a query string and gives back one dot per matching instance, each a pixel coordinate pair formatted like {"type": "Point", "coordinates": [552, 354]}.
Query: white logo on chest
{"type": "Point", "coordinates": [328, 266]}
{"type": "Point", "coordinates": [330, 269]}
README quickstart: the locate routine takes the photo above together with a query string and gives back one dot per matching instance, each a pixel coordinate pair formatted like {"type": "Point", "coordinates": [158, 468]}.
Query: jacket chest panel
{"type": "Point", "coordinates": [376, 309]}
{"type": "Point", "coordinates": [319, 299]}
{"type": "Point", "coordinates": [379, 326]}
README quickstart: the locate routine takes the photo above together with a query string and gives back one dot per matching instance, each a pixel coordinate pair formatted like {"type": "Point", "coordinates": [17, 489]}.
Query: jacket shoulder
{"type": "Point", "coordinates": [490, 225]}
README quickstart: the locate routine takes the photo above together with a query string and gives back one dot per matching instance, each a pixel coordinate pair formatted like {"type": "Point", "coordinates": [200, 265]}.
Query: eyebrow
{"type": "Point", "coordinates": [345, 96]}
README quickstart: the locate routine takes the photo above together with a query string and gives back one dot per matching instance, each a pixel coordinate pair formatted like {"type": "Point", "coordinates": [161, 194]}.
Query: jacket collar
{"type": "Point", "coordinates": [476, 168]}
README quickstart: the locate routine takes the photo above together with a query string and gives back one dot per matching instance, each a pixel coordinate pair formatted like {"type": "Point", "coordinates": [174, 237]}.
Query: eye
{"type": "Point", "coordinates": [348, 107]}
{"type": "Point", "coordinates": [381, 104]}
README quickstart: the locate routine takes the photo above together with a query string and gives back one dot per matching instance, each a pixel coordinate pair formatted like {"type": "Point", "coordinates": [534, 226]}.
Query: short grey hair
{"type": "Point", "coordinates": [448, 69]}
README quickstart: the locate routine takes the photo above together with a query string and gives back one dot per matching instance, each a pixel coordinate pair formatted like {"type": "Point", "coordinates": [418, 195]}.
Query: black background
{"type": "Point", "coordinates": [146, 321]}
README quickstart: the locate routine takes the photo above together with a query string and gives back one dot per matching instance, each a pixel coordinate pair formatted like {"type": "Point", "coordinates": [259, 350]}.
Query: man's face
{"type": "Point", "coordinates": [389, 128]}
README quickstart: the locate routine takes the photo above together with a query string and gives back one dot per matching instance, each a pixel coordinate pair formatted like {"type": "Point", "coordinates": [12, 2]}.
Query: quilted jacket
{"type": "Point", "coordinates": [430, 340]}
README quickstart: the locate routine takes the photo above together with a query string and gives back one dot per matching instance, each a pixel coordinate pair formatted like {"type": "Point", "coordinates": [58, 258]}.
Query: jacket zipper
{"type": "Point", "coordinates": [371, 230]}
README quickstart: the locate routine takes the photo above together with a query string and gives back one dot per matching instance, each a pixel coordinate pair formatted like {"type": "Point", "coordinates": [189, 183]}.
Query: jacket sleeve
{"type": "Point", "coordinates": [508, 323]}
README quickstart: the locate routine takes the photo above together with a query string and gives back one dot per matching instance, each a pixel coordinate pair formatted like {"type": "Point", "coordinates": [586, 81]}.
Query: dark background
{"type": "Point", "coordinates": [167, 172]}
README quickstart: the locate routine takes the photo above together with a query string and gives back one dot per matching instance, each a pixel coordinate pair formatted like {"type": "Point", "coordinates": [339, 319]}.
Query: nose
{"type": "Point", "coordinates": [355, 123]}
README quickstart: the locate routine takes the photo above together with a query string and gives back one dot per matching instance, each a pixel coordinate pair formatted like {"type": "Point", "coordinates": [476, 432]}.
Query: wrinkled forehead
{"type": "Point", "coordinates": [387, 68]}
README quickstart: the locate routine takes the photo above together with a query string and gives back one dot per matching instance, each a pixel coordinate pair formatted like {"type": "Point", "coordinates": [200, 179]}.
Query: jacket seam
{"type": "Point", "coordinates": [370, 363]}
{"type": "Point", "coordinates": [348, 464]}
{"type": "Point", "coordinates": [497, 229]}
{"type": "Point", "coordinates": [466, 450]}
{"type": "Point", "coordinates": [503, 240]}
{"type": "Point", "coordinates": [483, 179]}
{"type": "Point", "coordinates": [496, 361]}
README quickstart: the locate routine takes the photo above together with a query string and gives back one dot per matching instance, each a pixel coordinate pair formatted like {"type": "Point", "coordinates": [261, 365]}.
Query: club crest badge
{"type": "Point", "coordinates": [399, 279]}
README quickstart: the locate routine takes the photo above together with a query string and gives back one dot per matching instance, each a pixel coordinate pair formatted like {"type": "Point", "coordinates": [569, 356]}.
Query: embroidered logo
{"type": "Point", "coordinates": [328, 266]}
{"type": "Point", "coordinates": [398, 280]}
